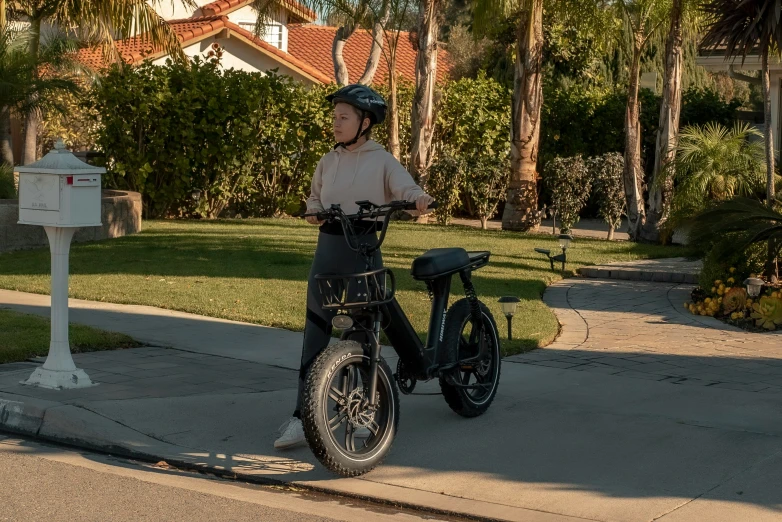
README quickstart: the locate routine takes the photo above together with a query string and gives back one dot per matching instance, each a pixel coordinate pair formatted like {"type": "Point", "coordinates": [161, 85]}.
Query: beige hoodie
{"type": "Point", "coordinates": [366, 173]}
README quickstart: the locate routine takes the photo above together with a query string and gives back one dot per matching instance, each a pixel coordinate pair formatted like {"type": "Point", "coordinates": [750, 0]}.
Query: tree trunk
{"type": "Point", "coordinates": [378, 35]}
{"type": "Point", "coordinates": [611, 232]}
{"type": "Point", "coordinates": [770, 193]}
{"type": "Point", "coordinates": [769, 139]}
{"type": "Point", "coordinates": [30, 151]}
{"type": "Point", "coordinates": [521, 204]}
{"type": "Point", "coordinates": [6, 148]}
{"type": "Point", "coordinates": [341, 74]}
{"type": "Point", "coordinates": [633, 175]}
{"type": "Point", "coordinates": [661, 190]}
{"type": "Point", "coordinates": [393, 110]}
{"type": "Point", "coordinates": [484, 222]}
{"type": "Point", "coordinates": [425, 79]}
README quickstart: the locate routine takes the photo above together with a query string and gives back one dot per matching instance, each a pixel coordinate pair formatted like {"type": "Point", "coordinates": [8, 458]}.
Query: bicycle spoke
{"type": "Point", "coordinates": [336, 395]}
{"type": "Point", "coordinates": [373, 428]}
{"type": "Point", "coordinates": [337, 420]}
{"type": "Point", "coordinates": [350, 437]}
{"type": "Point", "coordinates": [346, 382]}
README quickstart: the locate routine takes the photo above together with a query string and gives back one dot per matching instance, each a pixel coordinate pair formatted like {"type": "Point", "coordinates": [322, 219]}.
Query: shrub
{"type": "Point", "coordinates": [247, 140]}
{"type": "Point", "coordinates": [606, 174]}
{"type": "Point", "coordinates": [471, 147]}
{"type": "Point", "coordinates": [446, 177]}
{"type": "Point", "coordinates": [486, 183]}
{"type": "Point", "coordinates": [569, 182]}
{"type": "Point", "coordinates": [745, 262]}
{"type": "Point", "coordinates": [7, 185]}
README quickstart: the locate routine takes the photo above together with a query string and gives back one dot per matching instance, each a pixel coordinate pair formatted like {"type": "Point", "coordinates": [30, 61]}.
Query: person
{"type": "Point", "coordinates": [357, 169]}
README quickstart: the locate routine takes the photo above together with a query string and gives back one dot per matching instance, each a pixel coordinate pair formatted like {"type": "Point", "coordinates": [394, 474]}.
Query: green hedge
{"type": "Point", "coordinates": [198, 139]}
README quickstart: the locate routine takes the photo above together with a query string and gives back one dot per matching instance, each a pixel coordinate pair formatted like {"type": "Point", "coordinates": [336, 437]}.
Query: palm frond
{"type": "Point", "coordinates": [734, 225]}
{"type": "Point", "coordinates": [742, 26]}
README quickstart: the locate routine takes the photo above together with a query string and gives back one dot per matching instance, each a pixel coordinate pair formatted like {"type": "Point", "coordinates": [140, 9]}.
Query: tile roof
{"type": "Point", "coordinates": [312, 44]}
{"type": "Point", "coordinates": [137, 49]}
{"type": "Point", "coordinates": [309, 49]}
{"type": "Point", "coordinates": [300, 13]}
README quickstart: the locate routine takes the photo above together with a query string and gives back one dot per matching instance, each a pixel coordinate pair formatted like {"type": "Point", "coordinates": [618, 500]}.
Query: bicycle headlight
{"type": "Point", "coordinates": [342, 322]}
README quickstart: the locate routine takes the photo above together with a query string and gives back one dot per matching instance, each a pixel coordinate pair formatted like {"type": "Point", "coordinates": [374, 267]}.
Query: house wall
{"type": "Point", "coordinates": [238, 55]}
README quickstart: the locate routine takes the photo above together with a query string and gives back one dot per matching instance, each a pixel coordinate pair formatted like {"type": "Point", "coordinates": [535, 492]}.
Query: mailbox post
{"type": "Point", "coordinates": [61, 193]}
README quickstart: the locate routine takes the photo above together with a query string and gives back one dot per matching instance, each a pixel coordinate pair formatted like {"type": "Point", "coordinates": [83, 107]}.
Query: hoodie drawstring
{"type": "Point", "coordinates": [355, 169]}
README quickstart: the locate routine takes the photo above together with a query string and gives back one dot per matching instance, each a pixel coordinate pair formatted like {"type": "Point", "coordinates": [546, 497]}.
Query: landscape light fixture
{"type": "Point", "coordinates": [509, 304]}
{"type": "Point", "coordinates": [754, 285]}
{"type": "Point", "coordinates": [564, 244]}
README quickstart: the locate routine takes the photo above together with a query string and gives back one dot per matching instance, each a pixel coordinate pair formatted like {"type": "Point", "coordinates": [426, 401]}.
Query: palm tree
{"type": "Point", "coordinates": [744, 27]}
{"type": "Point", "coordinates": [521, 212]}
{"type": "Point", "coordinates": [95, 22]}
{"type": "Point", "coordinates": [23, 90]}
{"type": "Point", "coordinates": [713, 164]}
{"type": "Point", "coordinates": [399, 19]}
{"type": "Point", "coordinates": [668, 133]}
{"type": "Point", "coordinates": [422, 118]}
{"type": "Point", "coordinates": [644, 18]}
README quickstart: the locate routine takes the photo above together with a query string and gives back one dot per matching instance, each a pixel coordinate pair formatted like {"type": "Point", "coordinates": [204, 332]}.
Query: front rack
{"type": "Point", "coordinates": [359, 290]}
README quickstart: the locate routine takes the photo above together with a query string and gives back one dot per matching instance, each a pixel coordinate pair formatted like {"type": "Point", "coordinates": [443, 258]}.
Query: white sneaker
{"type": "Point", "coordinates": [291, 434]}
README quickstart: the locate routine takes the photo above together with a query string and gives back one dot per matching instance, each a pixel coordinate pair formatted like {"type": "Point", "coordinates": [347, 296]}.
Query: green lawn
{"type": "Point", "coordinates": [256, 270]}
{"type": "Point", "coordinates": [25, 336]}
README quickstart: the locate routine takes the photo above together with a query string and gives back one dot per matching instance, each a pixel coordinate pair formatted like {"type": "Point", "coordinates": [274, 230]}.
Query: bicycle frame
{"type": "Point", "coordinates": [424, 361]}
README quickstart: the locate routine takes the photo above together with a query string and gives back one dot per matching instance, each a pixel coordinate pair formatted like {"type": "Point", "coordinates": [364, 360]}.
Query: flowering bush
{"type": "Point", "coordinates": [728, 300]}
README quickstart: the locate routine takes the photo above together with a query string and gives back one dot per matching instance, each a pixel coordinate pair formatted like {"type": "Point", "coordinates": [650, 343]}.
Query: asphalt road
{"type": "Point", "coordinates": [49, 483]}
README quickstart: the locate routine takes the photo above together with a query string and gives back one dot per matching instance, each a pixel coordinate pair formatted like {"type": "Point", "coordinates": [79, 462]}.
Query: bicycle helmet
{"type": "Point", "coordinates": [370, 103]}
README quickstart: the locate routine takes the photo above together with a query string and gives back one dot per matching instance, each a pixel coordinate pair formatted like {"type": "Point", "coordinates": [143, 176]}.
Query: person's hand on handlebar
{"type": "Point", "coordinates": [422, 203]}
{"type": "Point", "coordinates": [313, 220]}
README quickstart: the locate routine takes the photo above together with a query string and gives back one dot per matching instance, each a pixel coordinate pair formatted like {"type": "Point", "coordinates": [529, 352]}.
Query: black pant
{"type": "Point", "coordinates": [332, 256]}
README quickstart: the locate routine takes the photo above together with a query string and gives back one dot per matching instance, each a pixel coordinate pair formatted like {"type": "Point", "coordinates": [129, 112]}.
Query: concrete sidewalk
{"type": "Point", "coordinates": [602, 425]}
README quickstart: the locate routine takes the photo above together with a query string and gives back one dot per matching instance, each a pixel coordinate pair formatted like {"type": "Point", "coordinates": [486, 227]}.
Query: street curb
{"type": "Point", "coordinates": [23, 417]}
{"type": "Point", "coordinates": [81, 428]}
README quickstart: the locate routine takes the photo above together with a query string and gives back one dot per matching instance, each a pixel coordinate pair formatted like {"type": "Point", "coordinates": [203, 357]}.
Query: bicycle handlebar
{"type": "Point", "coordinates": [367, 210]}
{"type": "Point", "coordinates": [374, 211]}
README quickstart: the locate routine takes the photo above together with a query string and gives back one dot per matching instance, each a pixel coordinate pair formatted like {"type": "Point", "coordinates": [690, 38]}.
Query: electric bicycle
{"type": "Point", "coordinates": [350, 410]}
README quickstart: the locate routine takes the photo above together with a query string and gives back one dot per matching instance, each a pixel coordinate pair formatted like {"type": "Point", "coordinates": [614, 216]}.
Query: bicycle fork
{"type": "Point", "coordinates": [374, 359]}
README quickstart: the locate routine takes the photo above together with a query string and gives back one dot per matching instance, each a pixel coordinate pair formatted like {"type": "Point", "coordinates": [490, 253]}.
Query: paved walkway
{"type": "Point", "coordinates": [601, 425]}
{"type": "Point", "coordinates": [641, 330]}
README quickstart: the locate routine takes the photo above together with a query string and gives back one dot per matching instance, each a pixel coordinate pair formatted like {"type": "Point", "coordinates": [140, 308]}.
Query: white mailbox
{"type": "Point", "coordinates": [60, 190]}
{"type": "Point", "coordinates": [61, 193]}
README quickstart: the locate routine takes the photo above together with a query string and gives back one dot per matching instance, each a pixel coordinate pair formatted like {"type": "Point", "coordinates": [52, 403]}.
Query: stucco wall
{"type": "Point", "coordinates": [238, 55]}
{"type": "Point", "coordinates": [121, 216]}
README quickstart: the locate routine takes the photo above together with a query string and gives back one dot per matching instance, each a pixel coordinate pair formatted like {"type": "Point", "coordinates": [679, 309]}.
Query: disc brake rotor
{"type": "Point", "coordinates": [358, 413]}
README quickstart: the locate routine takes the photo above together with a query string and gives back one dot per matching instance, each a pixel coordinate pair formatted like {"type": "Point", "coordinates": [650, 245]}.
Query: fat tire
{"type": "Point", "coordinates": [457, 398]}
{"type": "Point", "coordinates": [316, 429]}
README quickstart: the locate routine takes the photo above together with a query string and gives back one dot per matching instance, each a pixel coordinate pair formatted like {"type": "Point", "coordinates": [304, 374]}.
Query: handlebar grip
{"type": "Point", "coordinates": [322, 216]}
{"type": "Point", "coordinates": [411, 205]}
